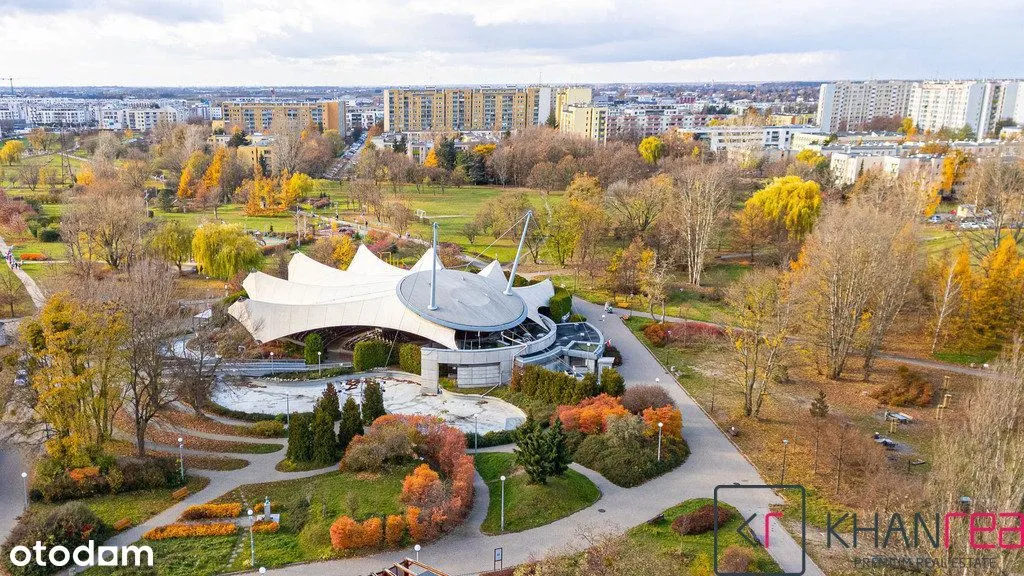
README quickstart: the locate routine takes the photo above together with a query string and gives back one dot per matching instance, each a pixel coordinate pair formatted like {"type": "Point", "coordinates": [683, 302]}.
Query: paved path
{"type": "Point", "coordinates": [12, 497]}
{"type": "Point", "coordinates": [34, 292]}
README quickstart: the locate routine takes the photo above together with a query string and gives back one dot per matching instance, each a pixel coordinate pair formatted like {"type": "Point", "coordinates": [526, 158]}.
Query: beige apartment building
{"type": "Point", "coordinates": [466, 109]}
{"type": "Point", "coordinates": [257, 116]}
{"type": "Point", "coordinates": [585, 120]}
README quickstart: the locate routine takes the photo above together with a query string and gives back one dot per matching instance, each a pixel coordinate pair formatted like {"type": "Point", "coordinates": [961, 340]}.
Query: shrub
{"type": "Point", "coordinates": [591, 415]}
{"type": "Point", "coordinates": [552, 387]}
{"type": "Point", "coordinates": [149, 473]}
{"type": "Point", "coordinates": [422, 486]}
{"type": "Point", "coordinates": [736, 559]}
{"type": "Point", "coordinates": [347, 534]}
{"type": "Point", "coordinates": [207, 511]}
{"type": "Point", "coordinates": [911, 390]}
{"type": "Point", "coordinates": [409, 358]}
{"type": "Point", "coordinates": [669, 416]}
{"type": "Point", "coordinates": [314, 348]}
{"type": "Point", "coordinates": [638, 398]}
{"type": "Point", "coordinates": [492, 438]}
{"type": "Point", "coordinates": [33, 256]}
{"type": "Point", "coordinates": [82, 474]}
{"type": "Point", "coordinates": [265, 527]}
{"type": "Point", "coordinates": [656, 334]}
{"type": "Point", "coordinates": [629, 465]}
{"type": "Point", "coordinates": [560, 304]}
{"type": "Point", "coordinates": [614, 353]}
{"type": "Point", "coordinates": [373, 402]}
{"type": "Point", "coordinates": [191, 531]}
{"type": "Point", "coordinates": [701, 520]}
{"type": "Point", "coordinates": [50, 234]}
{"type": "Point", "coordinates": [612, 383]}
{"type": "Point", "coordinates": [267, 429]}
{"type": "Point", "coordinates": [385, 443]}
{"type": "Point", "coordinates": [394, 531]}
{"type": "Point", "coordinates": [69, 525]}
{"type": "Point", "coordinates": [371, 354]}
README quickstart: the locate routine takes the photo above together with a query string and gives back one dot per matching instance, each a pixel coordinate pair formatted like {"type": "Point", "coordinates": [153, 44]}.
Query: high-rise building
{"type": "Point", "coordinates": [585, 120]}
{"type": "Point", "coordinates": [259, 115]}
{"type": "Point", "coordinates": [847, 105]}
{"type": "Point", "coordinates": [571, 96]}
{"type": "Point", "coordinates": [955, 104]}
{"type": "Point", "coordinates": [465, 109]}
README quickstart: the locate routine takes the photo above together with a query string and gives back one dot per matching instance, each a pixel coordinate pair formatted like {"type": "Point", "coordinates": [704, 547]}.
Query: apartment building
{"type": "Point", "coordinates": [585, 120]}
{"type": "Point", "coordinates": [363, 117]}
{"type": "Point", "coordinates": [721, 138]}
{"type": "Point", "coordinates": [257, 115]}
{"type": "Point", "coordinates": [955, 104]}
{"type": "Point", "coordinates": [571, 96]}
{"type": "Point", "coordinates": [483, 109]}
{"type": "Point", "coordinates": [847, 105]}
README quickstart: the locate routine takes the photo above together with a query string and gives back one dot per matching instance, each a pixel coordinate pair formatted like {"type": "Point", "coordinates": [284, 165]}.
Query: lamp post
{"type": "Point", "coordinates": [785, 449]}
{"type": "Point", "coordinates": [181, 458]}
{"type": "Point", "coordinates": [660, 426]}
{"type": "Point", "coordinates": [417, 548]}
{"type": "Point", "coordinates": [252, 540]}
{"type": "Point", "coordinates": [287, 408]}
{"type": "Point", "coordinates": [263, 570]}
{"type": "Point", "coordinates": [24, 479]}
{"type": "Point", "coordinates": [319, 368]}
{"type": "Point", "coordinates": [476, 435]}
{"type": "Point", "coordinates": [271, 361]}
{"type": "Point", "coordinates": [502, 503]}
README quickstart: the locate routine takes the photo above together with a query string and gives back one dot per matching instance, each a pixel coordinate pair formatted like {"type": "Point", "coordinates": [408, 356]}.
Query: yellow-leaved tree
{"type": "Point", "coordinates": [223, 250]}
{"type": "Point", "coordinates": [651, 149]}
{"type": "Point", "coordinates": [789, 202]}
{"type": "Point", "coordinates": [431, 160]}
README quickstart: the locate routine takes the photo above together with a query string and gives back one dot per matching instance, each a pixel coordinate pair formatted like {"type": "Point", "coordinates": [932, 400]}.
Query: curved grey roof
{"type": "Point", "coordinates": [465, 301]}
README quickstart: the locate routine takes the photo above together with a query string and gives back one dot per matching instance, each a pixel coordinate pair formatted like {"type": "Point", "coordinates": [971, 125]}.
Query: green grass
{"type": "Point", "coordinates": [530, 505]}
{"type": "Point", "coordinates": [22, 305]}
{"type": "Point", "coordinates": [54, 250]}
{"type": "Point", "coordinates": [330, 495]}
{"type": "Point", "coordinates": [272, 550]}
{"type": "Point", "coordinates": [138, 506]}
{"type": "Point", "coordinates": [967, 358]}
{"type": "Point", "coordinates": [183, 557]}
{"type": "Point", "coordinates": [232, 214]}
{"type": "Point", "coordinates": [658, 538]}
{"type": "Point", "coordinates": [288, 465]}
{"type": "Point", "coordinates": [41, 272]}
{"type": "Point", "coordinates": [682, 358]}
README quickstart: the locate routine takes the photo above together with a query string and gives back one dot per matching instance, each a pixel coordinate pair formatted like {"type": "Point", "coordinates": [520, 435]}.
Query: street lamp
{"type": "Point", "coordinates": [660, 426]}
{"type": "Point", "coordinates": [785, 448]}
{"type": "Point", "coordinates": [181, 458]}
{"type": "Point", "coordinates": [502, 503]}
{"type": "Point", "coordinates": [271, 361]}
{"type": "Point", "coordinates": [287, 406]}
{"type": "Point", "coordinates": [252, 540]}
{"type": "Point", "coordinates": [417, 549]}
{"type": "Point", "coordinates": [476, 435]}
{"type": "Point", "coordinates": [263, 570]}
{"type": "Point", "coordinates": [657, 381]}
{"type": "Point", "coordinates": [24, 479]}
{"type": "Point", "coordinates": [319, 370]}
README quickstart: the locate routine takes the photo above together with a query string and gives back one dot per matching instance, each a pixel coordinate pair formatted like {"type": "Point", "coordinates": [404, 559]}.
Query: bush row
{"type": "Point", "coordinates": [493, 438]}
{"type": "Point", "coordinates": [126, 474]}
{"type": "Point", "coordinates": [207, 511]}
{"type": "Point", "coordinates": [409, 358]}
{"type": "Point", "coordinates": [69, 525]}
{"type": "Point", "coordinates": [560, 305]}
{"type": "Point", "coordinates": [191, 531]}
{"type": "Point", "coordinates": [370, 354]}
{"type": "Point", "coordinates": [551, 387]}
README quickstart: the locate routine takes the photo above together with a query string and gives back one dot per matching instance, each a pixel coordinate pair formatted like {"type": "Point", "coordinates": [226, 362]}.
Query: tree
{"type": "Point", "coordinates": [373, 402]}
{"type": "Point", "coordinates": [948, 284]}
{"type": "Point", "coordinates": [351, 423]}
{"type": "Point", "coordinates": [997, 186]}
{"type": "Point", "coordinates": [584, 188]}
{"type": "Point", "coordinates": [701, 195]}
{"type": "Point", "coordinates": [789, 202]}
{"type": "Point", "coordinates": [759, 333]}
{"type": "Point", "coordinates": [431, 160]}
{"type": "Point", "coordinates": [38, 139]}
{"type": "Point", "coordinates": [561, 458]}
{"type": "Point", "coordinates": [224, 250]}
{"type": "Point", "coordinates": [196, 373]}
{"type": "Point", "coordinates": [75, 350]}
{"type": "Point", "coordinates": [330, 401]}
{"type": "Point", "coordinates": [11, 290]}
{"type": "Point", "coordinates": [533, 452]}
{"type": "Point", "coordinates": [300, 438]}
{"type": "Point", "coordinates": [630, 266]}
{"type": "Point", "coordinates": [11, 152]}
{"type": "Point", "coordinates": [105, 225]}
{"type": "Point", "coordinates": [641, 203]}
{"type": "Point", "coordinates": [172, 242]}
{"type": "Point", "coordinates": [446, 153]}
{"type": "Point", "coordinates": [894, 274]}
{"type": "Point", "coordinates": [325, 443]}
{"type": "Point", "coordinates": [563, 232]}
{"type": "Point", "coordinates": [819, 406]}
{"type": "Point", "coordinates": [651, 149]}
{"type": "Point", "coordinates": [314, 348]}
{"type": "Point", "coordinates": [336, 250]}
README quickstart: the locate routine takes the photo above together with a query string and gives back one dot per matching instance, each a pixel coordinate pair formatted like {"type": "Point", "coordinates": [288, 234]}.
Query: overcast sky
{"type": "Point", "coordinates": [397, 42]}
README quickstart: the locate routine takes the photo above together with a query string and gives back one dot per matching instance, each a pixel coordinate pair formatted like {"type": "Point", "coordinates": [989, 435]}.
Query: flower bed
{"type": "Point", "coordinates": [190, 531]}
{"type": "Point", "coordinates": [208, 511]}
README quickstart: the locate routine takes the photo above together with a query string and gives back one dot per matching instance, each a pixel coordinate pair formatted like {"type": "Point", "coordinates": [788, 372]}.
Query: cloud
{"type": "Point", "coordinates": [490, 41]}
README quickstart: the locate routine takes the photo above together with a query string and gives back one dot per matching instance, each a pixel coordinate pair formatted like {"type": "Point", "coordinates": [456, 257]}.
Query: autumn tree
{"type": "Point", "coordinates": [11, 290]}
{"type": "Point", "coordinates": [562, 232]}
{"type": "Point", "coordinates": [997, 186]}
{"type": "Point", "coordinates": [336, 250]}
{"type": "Point", "coordinates": [630, 266]}
{"type": "Point", "coordinates": [700, 197]}
{"type": "Point", "coordinates": [651, 149]}
{"type": "Point", "coordinates": [223, 250]}
{"type": "Point", "coordinates": [11, 151]}
{"type": "Point", "coordinates": [640, 203]}
{"type": "Point", "coordinates": [172, 242]}
{"type": "Point", "coordinates": [759, 333]}
{"type": "Point", "coordinates": [105, 225]}
{"type": "Point", "coordinates": [788, 206]}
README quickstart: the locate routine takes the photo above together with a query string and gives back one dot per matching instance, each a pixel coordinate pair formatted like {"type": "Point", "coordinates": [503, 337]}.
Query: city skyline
{"type": "Point", "coordinates": [316, 43]}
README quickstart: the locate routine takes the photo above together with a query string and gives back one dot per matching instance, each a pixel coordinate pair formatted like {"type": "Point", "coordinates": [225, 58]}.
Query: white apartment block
{"type": "Point", "coordinates": [954, 104]}
{"type": "Point", "coordinates": [846, 105]}
{"type": "Point", "coordinates": [61, 115]}
{"type": "Point", "coordinates": [721, 138]}
{"type": "Point", "coordinates": [363, 117]}
{"type": "Point", "coordinates": [654, 119]}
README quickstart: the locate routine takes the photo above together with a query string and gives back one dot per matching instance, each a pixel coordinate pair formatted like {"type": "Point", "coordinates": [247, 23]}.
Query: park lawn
{"type": "Point", "coordinates": [272, 550]}
{"type": "Point", "coordinates": [44, 273]}
{"type": "Point", "coordinates": [232, 214]}
{"type": "Point", "coordinates": [183, 557]}
{"type": "Point", "coordinates": [53, 250]}
{"type": "Point", "coordinates": [658, 538]}
{"type": "Point", "coordinates": [138, 506]}
{"type": "Point", "coordinates": [697, 384]}
{"type": "Point", "coordinates": [530, 505]}
{"type": "Point", "coordinates": [330, 495]}
{"type": "Point", "coordinates": [22, 306]}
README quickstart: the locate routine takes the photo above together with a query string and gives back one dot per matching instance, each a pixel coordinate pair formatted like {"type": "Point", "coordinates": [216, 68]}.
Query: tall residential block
{"type": "Point", "coordinates": [954, 104]}
{"type": "Point", "coordinates": [847, 105]}
{"type": "Point", "coordinates": [259, 115]}
{"type": "Point", "coordinates": [584, 120]}
{"type": "Point", "coordinates": [466, 109]}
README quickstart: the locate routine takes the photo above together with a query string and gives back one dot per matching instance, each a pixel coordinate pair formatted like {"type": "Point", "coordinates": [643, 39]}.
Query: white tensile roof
{"type": "Point", "coordinates": [368, 294]}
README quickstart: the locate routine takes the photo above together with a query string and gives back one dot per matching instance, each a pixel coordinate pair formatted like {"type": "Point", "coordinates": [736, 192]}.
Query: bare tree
{"type": "Point", "coordinates": [894, 274]}
{"type": "Point", "coordinates": [287, 146]}
{"type": "Point", "coordinates": [104, 225]}
{"type": "Point", "coordinates": [10, 289]}
{"type": "Point", "coordinates": [641, 203]}
{"type": "Point", "coordinates": [997, 185]}
{"type": "Point", "coordinates": [760, 332]}
{"type": "Point", "coordinates": [700, 198]}
{"type": "Point", "coordinates": [196, 371]}
{"type": "Point", "coordinates": [947, 288]}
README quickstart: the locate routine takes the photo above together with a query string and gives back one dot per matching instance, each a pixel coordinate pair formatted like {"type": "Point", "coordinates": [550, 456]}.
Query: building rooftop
{"type": "Point", "coordinates": [465, 301]}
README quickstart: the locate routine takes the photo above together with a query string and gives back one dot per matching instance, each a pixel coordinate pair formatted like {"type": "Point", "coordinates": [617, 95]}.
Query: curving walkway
{"type": "Point", "coordinates": [33, 289]}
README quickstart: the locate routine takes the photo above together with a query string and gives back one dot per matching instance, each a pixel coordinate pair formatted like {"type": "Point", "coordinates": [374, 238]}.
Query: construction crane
{"type": "Point", "coordinates": [11, 83]}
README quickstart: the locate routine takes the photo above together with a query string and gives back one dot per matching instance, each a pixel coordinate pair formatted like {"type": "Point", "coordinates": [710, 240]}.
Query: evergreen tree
{"type": "Point", "coordinates": [373, 402]}
{"type": "Point", "coordinates": [533, 452]}
{"type": "Point", "coordinates": [612, 383]}
{"type": "Point", "coordinates": [446, 153]}
{"type": "Point", "coordinates": [300, 440]}
{"type": "Point", "coordinates": [314, 344]}
{"type": "Point", "coordinates": [559, 448]}
{"type": "Point", "coordinates": [330, 401]}
{"type": "Point", "coordinates": [325, 443]}
{"type": "Point", "coordinates": [819, 407]}
{"type": "Point", "coordinates": [351, 423]}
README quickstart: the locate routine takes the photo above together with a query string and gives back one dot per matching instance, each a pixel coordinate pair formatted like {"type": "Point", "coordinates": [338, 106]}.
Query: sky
{"type": "Point", "coordinates": [417, 42]}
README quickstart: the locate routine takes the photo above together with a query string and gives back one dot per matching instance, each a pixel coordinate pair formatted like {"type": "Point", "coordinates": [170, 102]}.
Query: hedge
{"type": "Point", "coordinates": [69, 525]}
{"type": "Point", "coordinates": [409, 358]}
{"type": "Point", "coordinates": [551, 387]}
{"type": "Point", "coordinates": [371, 354]}
{"type": "Point", "coordinates": [208, 511]}
{"type": "Point", "coordinates": [219, 410]}
{"type": "Point", "coordinates": [560, 304]}
{"type": "Point", "coordinates": [493, 438]}
{"type": "Point", "coordinates": [190, 531]}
